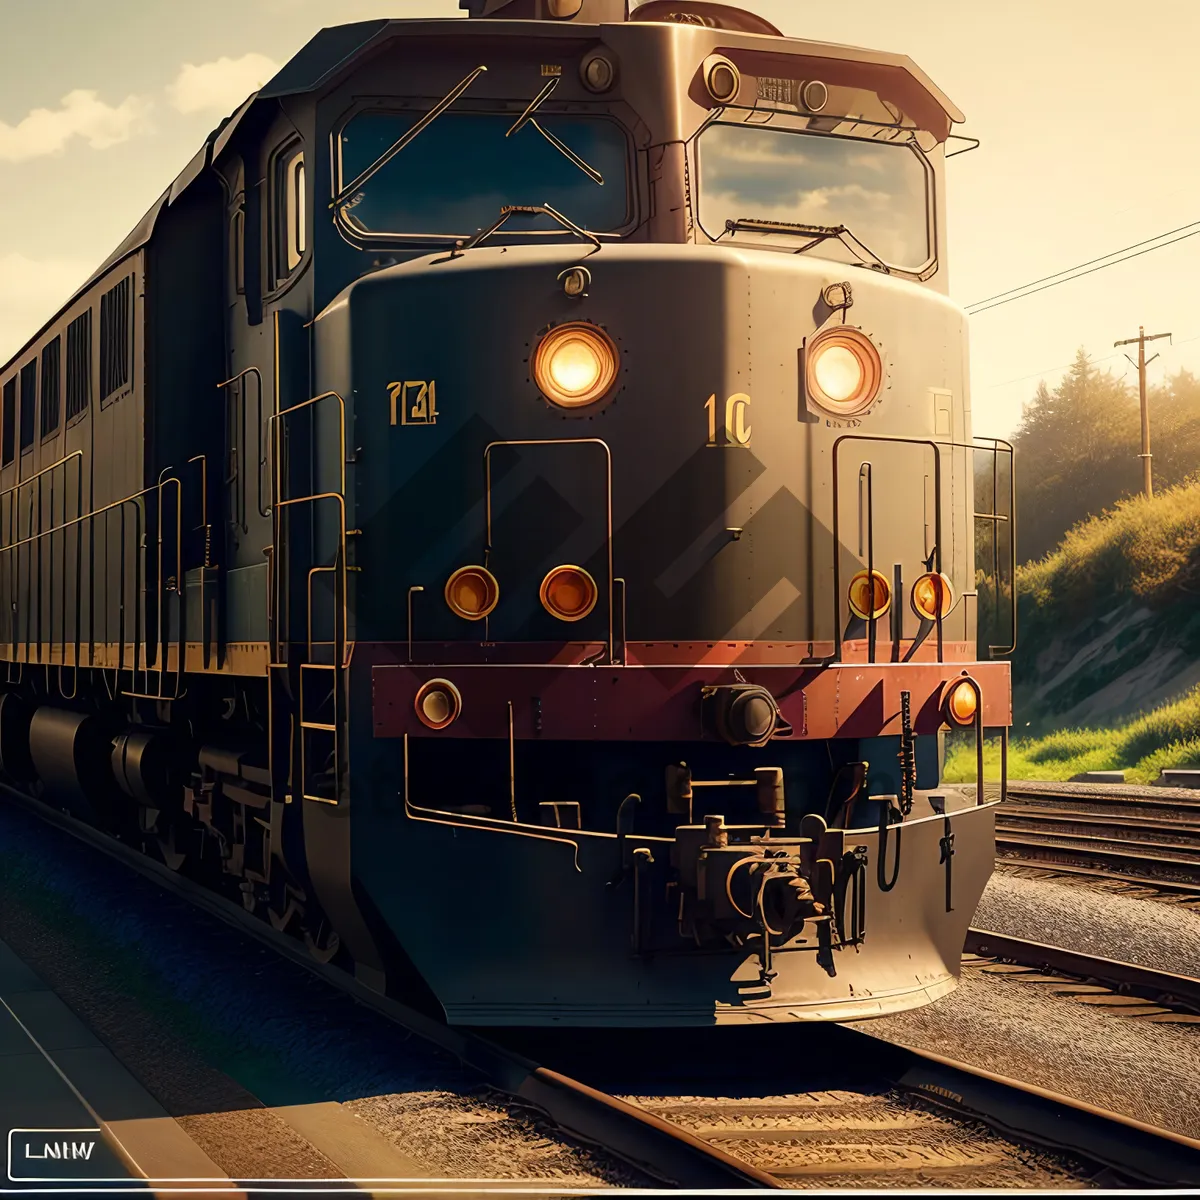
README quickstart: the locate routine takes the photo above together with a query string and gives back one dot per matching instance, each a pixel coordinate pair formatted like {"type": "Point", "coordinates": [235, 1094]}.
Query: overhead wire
{"type": "Point", "coordinates": [1111, 259]}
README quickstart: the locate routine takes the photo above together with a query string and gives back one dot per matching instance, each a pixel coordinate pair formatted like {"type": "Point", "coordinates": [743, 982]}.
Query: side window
{"type": "Point", "coordinates": [8, 448]}
{"type": "Point", "coordinates": [237, 250]}
{"type": "Point", "coordinates": [79, 364]}
{"type": "Point", "coordinates": [114, 338]}
{"type": "Point", "coordinates": [51, 387]}
{"type": "Point", "coordinates": [28, 403]}
{"type": "Point", "coordinates": [290, 211]}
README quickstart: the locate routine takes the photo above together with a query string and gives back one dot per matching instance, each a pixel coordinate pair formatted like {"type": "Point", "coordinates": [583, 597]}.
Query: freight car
{"type": "Point", "coordinates": [507, 515]}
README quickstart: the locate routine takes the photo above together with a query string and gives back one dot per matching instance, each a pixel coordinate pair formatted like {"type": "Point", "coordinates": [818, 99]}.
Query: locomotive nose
{"type": "Point", "coordinates": [742, 714]}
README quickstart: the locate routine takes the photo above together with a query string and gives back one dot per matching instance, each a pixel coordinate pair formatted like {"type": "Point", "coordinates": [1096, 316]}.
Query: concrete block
{"type": "Point", "coordinates": [1178, 778]}
{"type": "Point", "coordinates": [1099, 777]}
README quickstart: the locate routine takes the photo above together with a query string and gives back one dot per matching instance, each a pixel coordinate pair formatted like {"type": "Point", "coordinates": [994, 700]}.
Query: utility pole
{"type": "Point", "coordinates": [1141, 364]}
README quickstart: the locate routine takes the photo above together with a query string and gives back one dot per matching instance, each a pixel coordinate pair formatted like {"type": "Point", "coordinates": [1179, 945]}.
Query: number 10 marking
{"type": "Point", "coordinates": [737, 429]}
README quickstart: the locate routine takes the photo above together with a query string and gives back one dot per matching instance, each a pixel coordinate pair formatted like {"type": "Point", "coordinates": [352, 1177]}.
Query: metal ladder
{"type": "Point", "coordinates": [317, 681]}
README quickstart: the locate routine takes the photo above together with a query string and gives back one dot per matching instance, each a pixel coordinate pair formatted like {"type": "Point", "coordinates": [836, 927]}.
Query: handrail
{"type": "Point", "coordinates": [837, 541]}
{"type": "Point", "coordinates": [262, 458]}
{"type": "Point", "coordinates": [487, 480]}
{"type": "Point", "coordinates": [301, 725]}
{"type": "Point", "coordinates": [996, 518]}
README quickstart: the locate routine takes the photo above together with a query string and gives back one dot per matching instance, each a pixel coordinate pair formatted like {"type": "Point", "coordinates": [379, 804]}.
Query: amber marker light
{"type": "Point", "coordinates": [568, 593]}
{"type": "Point", "coordinates": [472, 592]}
{"type": "Point", "coordinates": [575, 364]}
{"type": "Point", "coordinates": [843, 371]}
{"type": "Point", "coordinates": [962, 702]}
{"type": "Point", "coordinates": [869, 595]}
{"type": "Point", "coordinates": [932, 596]}
{"type": "Point", "coordinates": [437, 703]}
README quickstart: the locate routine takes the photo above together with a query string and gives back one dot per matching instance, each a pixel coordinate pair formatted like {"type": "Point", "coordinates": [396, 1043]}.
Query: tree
{"type": "Point", "coordinates": [1076, 453]}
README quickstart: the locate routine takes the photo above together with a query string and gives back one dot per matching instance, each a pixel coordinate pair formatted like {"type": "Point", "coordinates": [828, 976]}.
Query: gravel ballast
{"type": "Point", "coordinates": [1147, 1071]}
{"type": "Point", "coordinates": [1092, 920]}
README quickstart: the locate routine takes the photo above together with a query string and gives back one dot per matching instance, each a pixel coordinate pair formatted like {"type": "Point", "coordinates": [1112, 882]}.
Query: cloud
{"type": "Point", "coordinates": [31, 291]}
{"type": "Point", "coordinates": [82, 114]}
{"type": "Point", "coordinates": [221, 85]}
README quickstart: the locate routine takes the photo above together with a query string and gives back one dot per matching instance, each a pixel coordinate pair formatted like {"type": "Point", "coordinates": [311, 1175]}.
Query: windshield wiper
{"type": "Point", "coordinates": [818, 233]}
{"type": "Point", "coordinates": [751, 225]}
{"type": "Point", "coordinates": [402, 141]}
{"type": "Point", "coordinates": [510, 210]}
{"type": "Point", "coordinates": [527, 118]}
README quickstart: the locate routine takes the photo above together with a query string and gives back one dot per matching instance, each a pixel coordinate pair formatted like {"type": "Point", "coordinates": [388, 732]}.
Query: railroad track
{"type": "Point", "coordinates": [1119, 834]}
{"type": "Point", "coordinates": [1125, 988]}
{"type": "Point", "coordinates": [847, 1107]}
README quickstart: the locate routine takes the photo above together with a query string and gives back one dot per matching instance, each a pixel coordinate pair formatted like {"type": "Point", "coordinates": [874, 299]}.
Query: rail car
{"type": "Point", "coordinates": [507, 515]}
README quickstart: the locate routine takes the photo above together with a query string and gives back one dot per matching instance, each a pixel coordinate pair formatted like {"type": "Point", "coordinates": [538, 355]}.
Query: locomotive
{"type": "Point", "coordinates": [507, 516]}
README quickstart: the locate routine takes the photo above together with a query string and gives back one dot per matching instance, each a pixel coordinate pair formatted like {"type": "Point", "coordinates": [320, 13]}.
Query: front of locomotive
{"type": "Point", "coordinates": [664, 503]}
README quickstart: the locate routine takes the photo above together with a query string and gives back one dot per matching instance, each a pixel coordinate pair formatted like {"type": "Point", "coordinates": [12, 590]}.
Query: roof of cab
{"type": "Point", "coordinates": [336, 48]}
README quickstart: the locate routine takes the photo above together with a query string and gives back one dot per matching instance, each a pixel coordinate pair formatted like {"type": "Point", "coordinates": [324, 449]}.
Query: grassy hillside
{"type": "Point", "coordinates": [1107, 670]}
{"type": "Point", "coordinates": [1167, 737]}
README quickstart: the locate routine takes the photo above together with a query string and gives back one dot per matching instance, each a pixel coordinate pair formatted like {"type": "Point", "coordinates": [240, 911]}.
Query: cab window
{"type": "Point", "coordinates": [290, 216]}
{"type": "Point", "coordinates": [458, 173]}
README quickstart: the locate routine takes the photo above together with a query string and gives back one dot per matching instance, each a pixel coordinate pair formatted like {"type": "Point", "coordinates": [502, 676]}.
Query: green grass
{"type": "Point", "coordinates": [1165, 737]}
{"type": "Point", "coordinates": [1140, 547]}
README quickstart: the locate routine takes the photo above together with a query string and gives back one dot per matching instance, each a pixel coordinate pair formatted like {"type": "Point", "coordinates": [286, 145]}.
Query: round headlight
{"type": "Point", "coordinates": [869, 595]}
{"type": "Point", "coordinates": [437, 703]}
{"type": "Point", "coordinates": [598, 73]}
{"type": "Point", "coordinates": [472, 592]}
{"type": "Point", "coordinates": [575, 364]}
{"type": "Point", "coordinates": [569, 593]}
{"type": "Point", "coordinates": [843, 371]}
{"type": "Point", "coordinates": [722, 79]}
{"type": "Point", "coordinates": [814, 95]}
{"type": "Point", "coordinates": [932, 596]}
{"type": "Point", "coordinates": [961, 703]}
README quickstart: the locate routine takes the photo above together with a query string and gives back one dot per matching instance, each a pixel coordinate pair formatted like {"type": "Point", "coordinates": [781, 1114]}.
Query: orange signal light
{"type": "Point", "coordinates": [568, 593]}
{"type": "Point", "coordinates": [472, 592]}
{"type": "Point", "coordinates": [932, 596]}
{"type": "Point", "coordinates": [962, 703]}
{"type": "Point", "coordinates": [869, 595]}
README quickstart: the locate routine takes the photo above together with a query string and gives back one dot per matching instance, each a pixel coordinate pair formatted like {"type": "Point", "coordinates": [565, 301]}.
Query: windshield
{"type": "Point", "coordinates": [877, 190]}
{"type": "Point", "coordinates": [456, 175]}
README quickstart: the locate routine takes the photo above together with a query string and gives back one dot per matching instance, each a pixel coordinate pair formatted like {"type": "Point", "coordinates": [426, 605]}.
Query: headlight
{"type": "Point", "coordinates": [472, 592]}
{"type": "Point", "coordinates": [869, 595]}
{"type": "Point", "coordinates": [721, 78]}
{"type": "Point", "coordinates": [438, 703]}
{"type": "Point", "coordinates": [569, 593]}
{"type": "Point", "coordinates": [575, 364]}
{"type": "Point", "coordinates": [932, 597]}
{"type": "Point", "coordinates": [961, 703]}
{"type": "Point", "coordinates": [843, 371]}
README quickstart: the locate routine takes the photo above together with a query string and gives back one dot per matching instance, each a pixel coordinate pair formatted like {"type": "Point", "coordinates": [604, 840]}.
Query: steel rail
{"type": "Point", "coordinates": [1042, 850]}
{"type": "Point", "coordinates": [1176, 886]}
{"type": "Point", "coordinates": [1131, 978]}
{"type": "Point", "coordinates": [655, 1147]}
{"type": "Point", "coordinates": [1034, 1115]}
{"type": "Point", "coordinates": [1105, 794]}
{"type": "Point", "coordinates": [1037, 815]}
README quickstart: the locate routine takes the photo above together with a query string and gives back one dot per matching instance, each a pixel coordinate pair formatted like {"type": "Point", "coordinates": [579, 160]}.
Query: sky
{"type": "Point", "coordinates": [1085, 110]}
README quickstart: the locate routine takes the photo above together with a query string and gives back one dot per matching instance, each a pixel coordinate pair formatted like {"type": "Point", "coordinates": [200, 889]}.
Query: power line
{"type": "Point", "coordinates": [1090, 261]}
{"type": "Point", "coordinates": [1095, 362]}
{"type": "Point", "coordinates": [1077, 272]}
{"type": "Point", "coordinates": [1048, 371]}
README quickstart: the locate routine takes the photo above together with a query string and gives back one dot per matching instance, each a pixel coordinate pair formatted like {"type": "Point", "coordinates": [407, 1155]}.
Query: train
{"type": "Point", "coordinates": [507, 516]}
